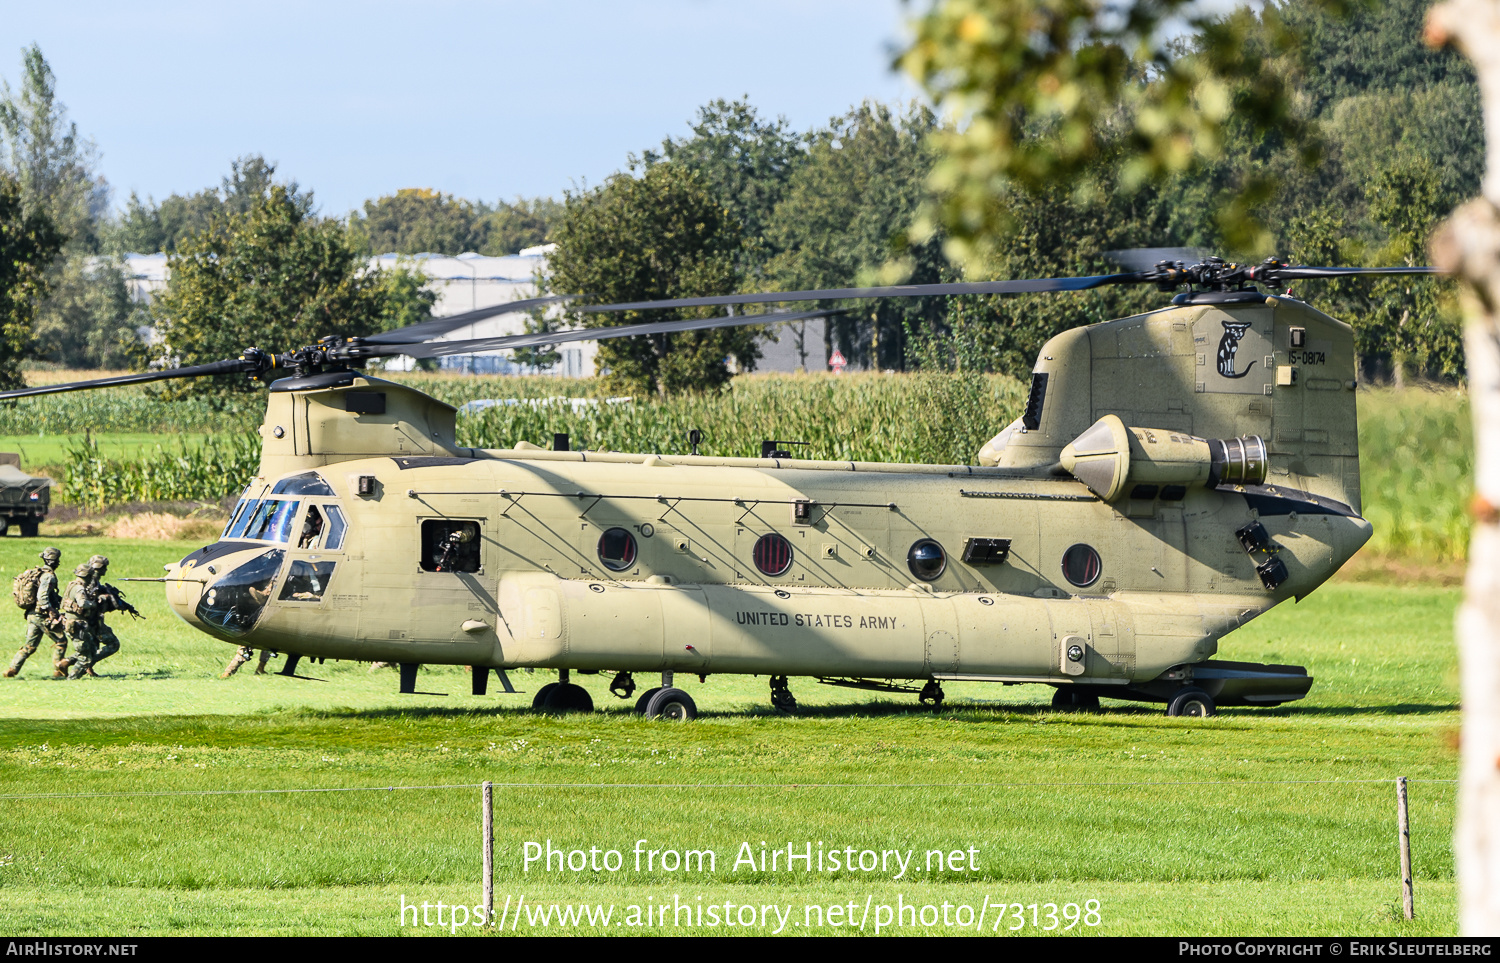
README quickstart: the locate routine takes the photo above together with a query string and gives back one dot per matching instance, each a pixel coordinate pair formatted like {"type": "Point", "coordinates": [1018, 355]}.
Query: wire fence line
{"type": "Point", "coordinates": [487, 789]}
{"type": "Point", "coordinates": [727, 785]}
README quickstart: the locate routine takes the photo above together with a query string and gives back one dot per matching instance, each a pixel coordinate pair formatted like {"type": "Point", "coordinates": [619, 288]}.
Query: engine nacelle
{"type": "Point", "coordinates": [1112, 459]}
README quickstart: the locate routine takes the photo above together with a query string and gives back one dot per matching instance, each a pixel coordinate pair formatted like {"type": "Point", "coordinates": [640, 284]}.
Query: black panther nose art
{"type": "Point", "coordinates": [1228, 345]}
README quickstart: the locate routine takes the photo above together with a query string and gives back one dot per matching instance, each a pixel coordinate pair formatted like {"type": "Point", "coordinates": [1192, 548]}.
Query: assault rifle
{"type": "Point", "coordinates": [112, 599]}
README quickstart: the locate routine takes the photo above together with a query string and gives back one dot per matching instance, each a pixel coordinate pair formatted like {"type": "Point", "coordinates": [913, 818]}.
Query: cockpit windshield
{"type": "Point", "coordinates": [271, 520]}
{"type": "Point", "coordinates": [240, 517]}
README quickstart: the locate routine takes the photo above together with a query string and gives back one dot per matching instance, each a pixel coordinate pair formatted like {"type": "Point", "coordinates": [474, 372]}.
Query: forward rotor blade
{"type": "Point", "coordinates": [440, 326]}
{"type": "Point", "coordinates": [437, 349]}
{"type": "Point", "coordinates": [1029, 286]}
{"type": "Point", "coordinates": [231, 366]}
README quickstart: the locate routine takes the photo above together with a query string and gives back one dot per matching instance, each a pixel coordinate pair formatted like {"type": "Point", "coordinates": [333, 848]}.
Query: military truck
{"type": "Point", "coordinates": [24, 499]}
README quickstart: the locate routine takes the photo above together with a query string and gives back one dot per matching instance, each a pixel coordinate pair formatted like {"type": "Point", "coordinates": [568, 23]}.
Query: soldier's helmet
{"type": "Point", "coordinates": [99, 563]}
{"type": "Point", "coordinates": [51, 556]}
{"type": "Point", "coordinates": [83, 571]}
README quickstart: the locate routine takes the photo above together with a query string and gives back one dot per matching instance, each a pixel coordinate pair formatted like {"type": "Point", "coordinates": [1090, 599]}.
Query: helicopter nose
{"type": "Point", "coordinates": [185, 586]}
{"type": "Point", "coordinates": [222, 589]}
{"type": "Point", "coordinates": [225, 595]}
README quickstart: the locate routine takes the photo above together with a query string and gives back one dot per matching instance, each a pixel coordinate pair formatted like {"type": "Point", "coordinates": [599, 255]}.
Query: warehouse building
{"type": "Point", "coordinates": [471, 281]}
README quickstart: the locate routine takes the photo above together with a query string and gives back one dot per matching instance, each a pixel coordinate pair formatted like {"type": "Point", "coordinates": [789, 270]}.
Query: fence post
{"type": "Point", "coordinates": [1408, 909]}
{"type": "Point", "coordinates": [487, 821]}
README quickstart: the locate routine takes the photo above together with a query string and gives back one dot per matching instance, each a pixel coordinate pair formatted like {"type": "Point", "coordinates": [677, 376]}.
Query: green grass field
{"type": "Point", "coordinates": [162, 800]}
{"type": "Point", "coordinates": [138, 803]}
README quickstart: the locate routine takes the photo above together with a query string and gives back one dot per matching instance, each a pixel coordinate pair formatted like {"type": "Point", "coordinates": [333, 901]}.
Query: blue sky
{"type": "Point", "coordinates": [482, 100]}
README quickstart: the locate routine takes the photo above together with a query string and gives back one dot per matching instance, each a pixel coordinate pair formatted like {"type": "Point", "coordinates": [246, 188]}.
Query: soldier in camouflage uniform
{"type": "Point", "coordinates": [84, 606]}
{"type": "Point", "coordinates": [260, 593]}
{"type": "Point", "coordinates": [43, 618]}
{"type": "Point", "coordinates": [245, 654]}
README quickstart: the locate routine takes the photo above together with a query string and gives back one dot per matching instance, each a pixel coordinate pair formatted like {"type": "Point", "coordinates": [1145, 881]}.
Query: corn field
{"type": "Point", "coordinates": [205, 472]}
{"type": "Point", "coordinates": [1416, 450]}
{"type": "Point", "coordinates": [924, 418]}
{"type": "Point", "coordinates": [127, 409]}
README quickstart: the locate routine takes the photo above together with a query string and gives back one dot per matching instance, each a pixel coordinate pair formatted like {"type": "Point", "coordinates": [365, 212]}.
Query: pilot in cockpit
{"type": "Point", "coordinates": [312, 527]}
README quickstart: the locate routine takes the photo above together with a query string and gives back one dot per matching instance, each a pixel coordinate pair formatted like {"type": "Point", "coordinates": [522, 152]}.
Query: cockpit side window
{"type": "Point", "coordinates": [312, 528]}
{"type": "Point", "coordinates": [334, 540]}
{"type": "Point", "coordinates": [306, 581]}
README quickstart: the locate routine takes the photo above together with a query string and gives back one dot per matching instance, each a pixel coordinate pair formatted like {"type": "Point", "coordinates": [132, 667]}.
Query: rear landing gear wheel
{"type": "Point", "coordinates": [673, 705]}
{"type": "Point", "coordinates": [568, 697]}
{"type": "Point", "coordinates": [932, 693]}
{"type": "Point", "coordinates": [1193, 703]}
{"type": "Point", "coordinates": [645, 700]}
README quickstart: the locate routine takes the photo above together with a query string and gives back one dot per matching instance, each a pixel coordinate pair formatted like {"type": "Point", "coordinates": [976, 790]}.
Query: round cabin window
{"type": "Point", "coordinates": [617, 549]}
{"type": "Point", "coordinates": [772, 555]}
{"type": "Point", "coordinates": [926, 560]}
{"type": "Point", "coordinates": [1081, 565]}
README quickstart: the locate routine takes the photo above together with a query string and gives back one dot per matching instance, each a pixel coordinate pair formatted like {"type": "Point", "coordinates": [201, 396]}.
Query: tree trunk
{"type": "Point", "coordinates": [1468, 245]}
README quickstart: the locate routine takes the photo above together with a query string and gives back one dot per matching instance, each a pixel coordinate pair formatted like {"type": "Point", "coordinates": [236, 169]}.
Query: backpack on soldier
{"type": "Point", "coordinates": [24, 588]}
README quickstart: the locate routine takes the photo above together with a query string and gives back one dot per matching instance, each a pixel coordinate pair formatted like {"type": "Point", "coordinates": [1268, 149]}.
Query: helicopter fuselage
{"type": "Point", "coordinates": [1094, 553]}
{"type": "Point", "coordinates": [684, 590]}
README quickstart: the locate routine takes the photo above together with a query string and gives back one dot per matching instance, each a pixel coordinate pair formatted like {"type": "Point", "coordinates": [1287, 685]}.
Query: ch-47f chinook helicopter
{"type": "Point", "coordinates": [1174, 475]}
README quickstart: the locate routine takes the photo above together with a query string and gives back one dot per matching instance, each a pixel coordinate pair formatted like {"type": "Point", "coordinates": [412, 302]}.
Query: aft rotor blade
{"type": "Point", "coordinates": [1028, 286]}
{"type": "Point", "coordinates": [440, 326]}
{"type": "Point", "coordinates": [437, 349]}
{"type": "Point", "coordinates": [231, 366]}
{"type": "Point", "coordinates": [1301, 273]}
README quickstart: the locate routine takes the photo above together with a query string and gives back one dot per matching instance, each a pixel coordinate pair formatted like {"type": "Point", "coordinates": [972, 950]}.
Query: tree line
{"type": "Point", "coordinates": [1334, 136]}
{"type": "Point", "coordinates": [65, 297]}
{"type": "Point", "coordinates": [1374, 137]}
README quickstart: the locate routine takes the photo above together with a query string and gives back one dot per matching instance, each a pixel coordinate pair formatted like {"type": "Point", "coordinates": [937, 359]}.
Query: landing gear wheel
{"type": "Point", "coordinates": [645, 700]}
{"type": "Point", "coordinates": [623, 685]}
{"type": "Point", "coordinates": [28, 529]}
{"type": "Point", "coordinates": [932, 692]}
{"type": "Point", "coordinates": [673, 705]}
{"type": "Point", "coordinates": [1071, 700]}
{"type": "Point", "coordinates": [781, 695]}
{"type": "Point", "coordinates": [1193, 703]}
{"type": "Point", "coordinates": [539, 701]}
{"type": "Point", "coordinates": [568, 697]}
